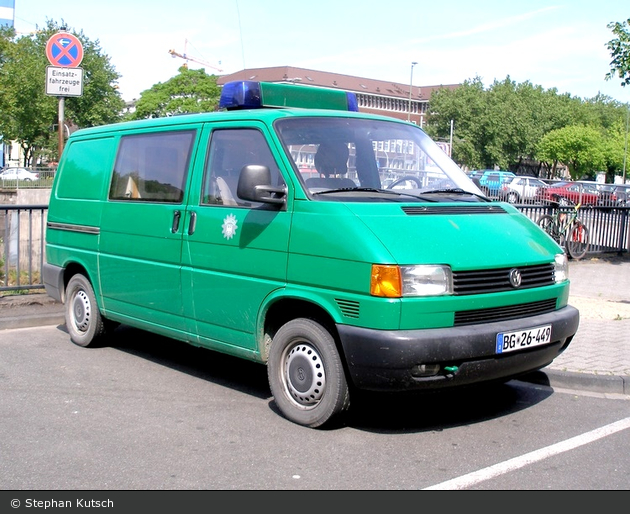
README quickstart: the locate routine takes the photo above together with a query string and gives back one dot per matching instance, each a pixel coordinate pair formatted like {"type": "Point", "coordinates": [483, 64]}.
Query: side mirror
{"type": "Point", "coordinates": [254, 184]}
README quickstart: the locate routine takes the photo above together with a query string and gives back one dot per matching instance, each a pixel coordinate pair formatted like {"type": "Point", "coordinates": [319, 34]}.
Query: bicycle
{"type": "Point", "coordinates": [568, 230]}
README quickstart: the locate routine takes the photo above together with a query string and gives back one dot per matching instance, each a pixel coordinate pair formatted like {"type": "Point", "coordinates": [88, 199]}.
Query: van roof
{"type": "Point", "coordinates": [248, 100]}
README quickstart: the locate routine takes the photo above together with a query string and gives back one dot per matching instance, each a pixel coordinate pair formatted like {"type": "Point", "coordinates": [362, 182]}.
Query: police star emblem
{"type": "Point", "coordinates": [229, 226]}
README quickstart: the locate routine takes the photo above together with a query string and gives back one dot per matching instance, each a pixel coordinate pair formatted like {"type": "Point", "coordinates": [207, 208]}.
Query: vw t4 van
{"type": "Point", "coordinates": [343, 250]}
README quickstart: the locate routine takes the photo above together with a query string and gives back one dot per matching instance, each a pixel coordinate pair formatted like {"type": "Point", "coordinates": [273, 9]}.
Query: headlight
{"type": "Point", "coordinates": [421, 280]}
{"type": "Point", "coordinates": [561, 268]}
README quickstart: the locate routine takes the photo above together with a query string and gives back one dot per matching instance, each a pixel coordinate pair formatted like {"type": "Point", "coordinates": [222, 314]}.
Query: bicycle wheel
{"type": "Point", "coordinates": [578, 240]}
{"type": "Point", "coordinates": [548, 224]}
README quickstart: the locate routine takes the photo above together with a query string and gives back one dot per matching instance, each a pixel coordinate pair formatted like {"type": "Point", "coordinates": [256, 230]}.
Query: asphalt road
{"type": "Point", "coordinates": [149, 413]}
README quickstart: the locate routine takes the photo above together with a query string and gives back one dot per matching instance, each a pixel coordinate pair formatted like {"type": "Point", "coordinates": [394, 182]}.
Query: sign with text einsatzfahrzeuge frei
{"type": "Point", "coordinates": [64, 77]}
{"type": "Point", "coordinates": [64, 81]}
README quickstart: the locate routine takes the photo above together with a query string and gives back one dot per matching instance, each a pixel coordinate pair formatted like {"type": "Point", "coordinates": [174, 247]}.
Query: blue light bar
{"type": "Point", "coordinates": [241, 95]}
{"type": "Point", "coordinates": [248, 94]}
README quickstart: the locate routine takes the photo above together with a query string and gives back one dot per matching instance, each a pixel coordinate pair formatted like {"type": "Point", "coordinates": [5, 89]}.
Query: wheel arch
{"type": "Point", "coordinates": [285, 309]}
{"type": "Point", "coordinates": [71, 269]}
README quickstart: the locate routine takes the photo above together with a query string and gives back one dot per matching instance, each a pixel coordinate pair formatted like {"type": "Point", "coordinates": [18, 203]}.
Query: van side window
{"type": "Point", "coordinates": [152, 167]}
{"type": "Point", "coordinates": [228, 152]}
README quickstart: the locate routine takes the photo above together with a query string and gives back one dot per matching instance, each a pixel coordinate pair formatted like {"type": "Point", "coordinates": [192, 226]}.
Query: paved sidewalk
{"type": "Point", "coordinates": [598, 358]}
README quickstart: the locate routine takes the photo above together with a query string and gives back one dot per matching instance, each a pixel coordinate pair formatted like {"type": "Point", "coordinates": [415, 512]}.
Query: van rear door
{"type": "Point", "coordinates": [142, 226]}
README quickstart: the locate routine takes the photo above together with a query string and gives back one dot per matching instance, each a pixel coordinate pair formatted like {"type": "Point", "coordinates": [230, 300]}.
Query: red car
{"type": "Point", "coordinates": [569, 192]}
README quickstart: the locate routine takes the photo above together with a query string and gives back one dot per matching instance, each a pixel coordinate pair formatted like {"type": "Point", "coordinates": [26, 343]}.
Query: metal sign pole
{"type": "Point", "coordinates": [61, 124]}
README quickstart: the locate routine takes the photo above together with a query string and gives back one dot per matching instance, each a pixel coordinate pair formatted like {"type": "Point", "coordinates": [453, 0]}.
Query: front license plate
{"type": "Point", "coordinates": [514, 341]}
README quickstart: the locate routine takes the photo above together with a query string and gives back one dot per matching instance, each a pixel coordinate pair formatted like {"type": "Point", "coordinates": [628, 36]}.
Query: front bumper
{"type": "Point", "coordinates": [384, 360]}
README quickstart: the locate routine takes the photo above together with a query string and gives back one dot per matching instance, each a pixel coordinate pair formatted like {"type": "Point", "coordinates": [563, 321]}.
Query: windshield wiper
{"type": "Point", "coordinates": [457, 191]}
{"type": "Point", "coordinates": [374, 190]}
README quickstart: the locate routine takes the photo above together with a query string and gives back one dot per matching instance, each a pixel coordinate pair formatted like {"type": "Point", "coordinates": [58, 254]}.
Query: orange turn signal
{"type": "Point", "coordinates": [386, 281]}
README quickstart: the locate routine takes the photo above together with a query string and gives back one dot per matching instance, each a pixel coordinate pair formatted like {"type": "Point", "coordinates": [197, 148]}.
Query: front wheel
{"type": "Point", "coordinates": [83, 318]}
{"type": "Point", "coordinates": [306, 375]}
{"type": "Point", "coordinates": [578, 240]}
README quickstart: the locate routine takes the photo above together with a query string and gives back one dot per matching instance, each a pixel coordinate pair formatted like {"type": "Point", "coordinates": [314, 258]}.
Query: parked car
{"type": "Point", "coordinates": [490, 181]}
{"type": "Point", "coordinates": [565, 193]}
{"type": "Point", "coordinates": [606, 194]}
{"type": "Point", "coordinates": [621, 195]}
{"type": "Point", "coordinates": [521, 189]}
{"type": "Point", "coordinates": [18, 174]}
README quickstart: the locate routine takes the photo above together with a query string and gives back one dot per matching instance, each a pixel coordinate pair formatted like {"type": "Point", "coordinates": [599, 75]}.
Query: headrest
{"type": "Point", "coordinates": [332, 158]}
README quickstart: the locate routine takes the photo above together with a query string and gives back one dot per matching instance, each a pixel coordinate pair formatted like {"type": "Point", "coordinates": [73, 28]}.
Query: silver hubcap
{"type": "Point", "coordinates": [81, 311]}
{"type": "Point", "coordinates": [304, 375]}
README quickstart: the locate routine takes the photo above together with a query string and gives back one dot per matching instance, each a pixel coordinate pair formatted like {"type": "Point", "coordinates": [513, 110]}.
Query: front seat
{"type": "Point", "coordinates": [225, 192]}
{"type": "Point", "coordinates": [331, 161]}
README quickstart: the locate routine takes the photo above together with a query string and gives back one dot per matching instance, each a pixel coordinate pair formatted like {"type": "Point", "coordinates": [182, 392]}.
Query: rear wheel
{"type": "Point", "coordinates": [83, 319]}
{"type": "Point", "coordinates": [578, 240]}
{"type": "Point", "coordinates": [306, 374]}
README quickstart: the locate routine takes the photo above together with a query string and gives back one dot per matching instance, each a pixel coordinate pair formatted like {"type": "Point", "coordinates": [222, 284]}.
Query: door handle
{"type": "Point", "coordinates": [176, 217]}
{"type": "Point", "coordinates": [192, 224]}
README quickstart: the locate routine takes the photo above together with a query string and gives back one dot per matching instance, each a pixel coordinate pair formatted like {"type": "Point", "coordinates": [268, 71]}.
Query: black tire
{"type": "Point", "coordinates": [578, 240]}
{"type": "Point", "coordinates": [306, 375]}
{"type": "Point", "coordinates": [83, 318]}
{"type": "Point", "coordinates": [548, 224]}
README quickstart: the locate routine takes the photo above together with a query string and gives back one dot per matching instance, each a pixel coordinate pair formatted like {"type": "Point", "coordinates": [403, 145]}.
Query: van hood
{"type": "Point", "coordinates": [466, 236]}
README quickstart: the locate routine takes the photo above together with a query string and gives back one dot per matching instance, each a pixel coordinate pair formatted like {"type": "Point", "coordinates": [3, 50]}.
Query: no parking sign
{"type": "Point", "coordinates": [64, 50]}
{"type": "Point", "coordinates": [64, 77]}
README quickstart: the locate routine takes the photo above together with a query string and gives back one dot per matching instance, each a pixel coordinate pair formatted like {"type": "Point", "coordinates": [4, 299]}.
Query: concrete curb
{"type": "Point", "coordinates": [611, 384]}
{"type": "Point", "coordinates": [32, 320]}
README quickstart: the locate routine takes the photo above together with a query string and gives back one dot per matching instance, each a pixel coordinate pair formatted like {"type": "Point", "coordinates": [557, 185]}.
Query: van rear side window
{"type": "Point", "coordinates": [152, 167]}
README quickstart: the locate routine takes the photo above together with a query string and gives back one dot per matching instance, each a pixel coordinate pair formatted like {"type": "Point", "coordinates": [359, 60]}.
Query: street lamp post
{"type": "Point", "coordinates": [410, 86]}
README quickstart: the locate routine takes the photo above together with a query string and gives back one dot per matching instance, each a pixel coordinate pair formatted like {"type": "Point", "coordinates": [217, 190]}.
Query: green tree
{"type": "Point", "coordinates": [581, 148]}
{"type": "Point", "coordinates": [615, 150]}
{"type": "Point", "coordinates": [190, 91]}
{"type": "Point", "coordinates": [464, 105]}
{"type": "Point", "coordinates": [620, 52]}
{"type": "Point", "coordinates": [28, 114]}
{"type": "Point", "coordinates": [499, 126]}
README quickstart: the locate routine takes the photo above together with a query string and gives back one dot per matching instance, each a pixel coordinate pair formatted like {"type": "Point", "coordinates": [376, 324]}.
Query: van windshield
{"type": "Point", "coordinates": [358, 159]}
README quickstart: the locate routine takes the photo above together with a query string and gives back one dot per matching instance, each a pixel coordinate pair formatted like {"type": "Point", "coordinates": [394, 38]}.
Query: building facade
{"type": "Point", "coordinates": [7, 12]}
{"type": "Point", "coordinates": [403, 101]}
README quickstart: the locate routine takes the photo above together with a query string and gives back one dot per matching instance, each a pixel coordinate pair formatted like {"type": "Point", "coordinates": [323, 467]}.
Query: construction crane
{"type": "Point", "coordinates": [184, 56]}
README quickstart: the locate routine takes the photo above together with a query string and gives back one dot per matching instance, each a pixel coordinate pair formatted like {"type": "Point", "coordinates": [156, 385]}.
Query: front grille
{"type": "Point", "coordinates": [522, 310]}
{"type": "Point", "coordinates": [497, 280]}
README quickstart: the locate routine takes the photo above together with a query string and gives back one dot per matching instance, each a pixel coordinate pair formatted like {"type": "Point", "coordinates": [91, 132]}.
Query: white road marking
{"type": "Point", "coordinates": [476, 477]}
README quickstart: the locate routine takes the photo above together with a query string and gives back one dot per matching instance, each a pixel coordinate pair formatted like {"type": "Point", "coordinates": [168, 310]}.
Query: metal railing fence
{"type": "Point", "coordinates": [22, 246]}
{"type": "Point", "coordinates": [43, 179]}
{"type": "Point", "coordinates": [22, 238]}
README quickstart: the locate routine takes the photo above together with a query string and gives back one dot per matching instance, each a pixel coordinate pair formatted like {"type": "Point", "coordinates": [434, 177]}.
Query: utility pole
{"type": "Point", "coordinates": [625, 152]}
{"type": "Point", "coordinates": [410, 86]}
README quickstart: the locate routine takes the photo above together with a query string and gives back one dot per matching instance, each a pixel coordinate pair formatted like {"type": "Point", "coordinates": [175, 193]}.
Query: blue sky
{"type": "Point", "coordinates": [558, 45]}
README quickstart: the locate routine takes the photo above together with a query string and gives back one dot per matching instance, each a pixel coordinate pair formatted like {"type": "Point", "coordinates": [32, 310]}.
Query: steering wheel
{"type": "Point", "coordinates": [404, 179]}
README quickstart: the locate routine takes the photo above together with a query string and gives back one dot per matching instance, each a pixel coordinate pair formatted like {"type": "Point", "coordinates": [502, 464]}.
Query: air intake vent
{"type": "Point", "coordinates": [497, 280]}
{"type": "Point", "coordinates": [350, 309]}
{"type": "Point", "coordinates": [453, 209]}
{"type": "Point", "coordinates": [504, 313]}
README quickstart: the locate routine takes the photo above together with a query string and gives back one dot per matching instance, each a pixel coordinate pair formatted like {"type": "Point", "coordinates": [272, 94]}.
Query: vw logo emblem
{"type": "Point", "coordinates": [515, 278]}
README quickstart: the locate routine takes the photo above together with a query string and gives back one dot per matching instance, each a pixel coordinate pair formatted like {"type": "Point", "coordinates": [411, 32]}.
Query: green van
{"type": "Point", "coordinates": [341, 249]}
